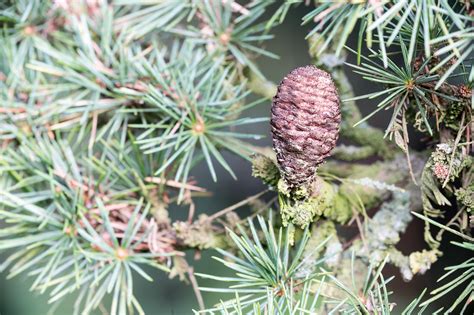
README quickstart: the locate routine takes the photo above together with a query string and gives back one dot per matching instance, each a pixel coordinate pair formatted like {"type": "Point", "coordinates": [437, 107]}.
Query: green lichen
{"type": "Point", "coordinates": [325, 202]}
{"type": "Point", "coordinates": [265, 168]}
{"type": "Point", "coordinates": [452, 115]}
{"type": "Point", "coordinates": [369, 196]}
{"type": "Point", "coordinates": [442, 171]}
{"type": "Point", "coordinates": [296, 193]}
{"type": "Point", "coordinates": [445, 164]}
{"type": "Point", "coordinates": [180, 268]}
{"type": "Point", "coordinates": [465, 197]}
{"type": "Point", "coordinates": [420, 262]}
{"type": "Point", "coordinates": [352, 153]}
{"type": "Point", "coordinates": [369, 136]}
{"type": "Point", "coordinates": [299, 213]}
{"type": "Point", "coordinates": [400, 261]}
{"type": "Point", "coordinates": [384, 230]}
{"type": "Point", "coordinates": [299, 206]}
{"type": "Point", "coordinates": [259, 85]}
{"type": "Point", "coordinates": [198, 235]}
{"type": "Point", "coordinates": [160, 213]}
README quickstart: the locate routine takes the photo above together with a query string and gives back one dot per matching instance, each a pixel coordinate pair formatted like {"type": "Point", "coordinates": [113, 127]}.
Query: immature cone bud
{"type": "Point", "coordinates": [305, 123]}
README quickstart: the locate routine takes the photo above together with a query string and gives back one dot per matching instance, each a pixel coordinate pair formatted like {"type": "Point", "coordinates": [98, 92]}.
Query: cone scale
{"type": "Point", "coordinates": [305, 123]}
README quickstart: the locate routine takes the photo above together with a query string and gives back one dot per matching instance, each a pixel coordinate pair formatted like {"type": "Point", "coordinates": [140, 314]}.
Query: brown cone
{"type": "Point", "coordinates": [305, 123]}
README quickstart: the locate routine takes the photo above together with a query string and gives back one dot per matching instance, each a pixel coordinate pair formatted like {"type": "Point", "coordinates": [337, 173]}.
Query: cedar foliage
{"type": "Point", "coordinates": [108, 105]}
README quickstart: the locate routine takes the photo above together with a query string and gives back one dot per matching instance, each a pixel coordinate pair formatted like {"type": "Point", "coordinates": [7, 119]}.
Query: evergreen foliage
{"type": "Point", "coordinates": [107, 106]}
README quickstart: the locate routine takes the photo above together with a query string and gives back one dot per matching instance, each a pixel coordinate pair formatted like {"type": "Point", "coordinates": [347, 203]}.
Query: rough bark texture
{"type": "Point", "coordinates": [305, 123]}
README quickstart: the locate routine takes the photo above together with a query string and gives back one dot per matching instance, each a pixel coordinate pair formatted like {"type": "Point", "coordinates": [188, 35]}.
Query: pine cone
{"type": "Point", "coordinates": [305, 123]}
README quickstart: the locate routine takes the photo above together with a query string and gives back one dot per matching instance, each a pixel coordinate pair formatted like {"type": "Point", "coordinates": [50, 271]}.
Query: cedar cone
{"type": "Point", "coordinates": [305, 123]}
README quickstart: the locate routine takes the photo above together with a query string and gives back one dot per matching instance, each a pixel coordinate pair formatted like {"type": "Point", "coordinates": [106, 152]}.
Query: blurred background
{"type": "Point", "coordinates": [170, 296]}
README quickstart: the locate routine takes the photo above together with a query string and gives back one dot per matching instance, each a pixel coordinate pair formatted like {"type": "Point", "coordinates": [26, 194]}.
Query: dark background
{"type": "Point", "coordinates": [165, 296]}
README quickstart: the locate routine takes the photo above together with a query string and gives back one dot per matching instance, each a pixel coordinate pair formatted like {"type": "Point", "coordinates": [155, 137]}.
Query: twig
{"type": "Point", "coordinates": [361, 232]}
{"type": "Point", "coordinates": [236, 7]}
{"type": "Point", "coordinates": [192, 208]}
{"type": "Point", "coordinates": [407, 152]}
{"type": "Point", "coordinates": [13, 110]}
{"type": "Point", "coordinates": [253, 215]}
{"type": "Point", "coordinates": [173, 183]}
{"type": "Point", "coordinates": [456, 142]}
{"type": "Point", "coordinates": [259, 85]}
{"type": "Point", "coordinates": [454, 218]}
{"type": "Point", "coordinates": [235, 206]}
{"type": "Point", "coordinates": [194, 283]}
